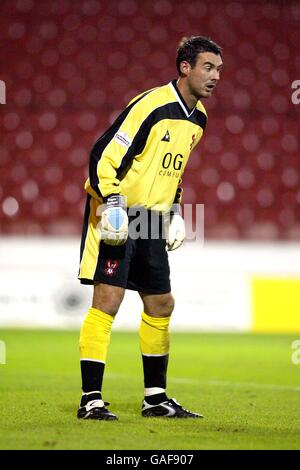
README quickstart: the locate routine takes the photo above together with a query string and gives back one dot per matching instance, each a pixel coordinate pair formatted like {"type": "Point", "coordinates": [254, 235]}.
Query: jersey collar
{"type": "Point", "coordinates": [180, 99]}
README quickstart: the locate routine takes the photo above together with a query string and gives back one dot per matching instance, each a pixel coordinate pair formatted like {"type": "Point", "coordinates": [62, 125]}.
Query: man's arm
{"type": "Point", "coordinates": [116, 149]}
{"type": "Point", "coordinates": [111, 155]}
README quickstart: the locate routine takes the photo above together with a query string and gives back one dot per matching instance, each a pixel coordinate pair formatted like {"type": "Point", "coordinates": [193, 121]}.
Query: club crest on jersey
{"type": "Point", "coordinates": [166, 137]}
{"type": "Point", "coordinates": [123, 139]}
{"type": "Point", "coordinates": [110, 268]}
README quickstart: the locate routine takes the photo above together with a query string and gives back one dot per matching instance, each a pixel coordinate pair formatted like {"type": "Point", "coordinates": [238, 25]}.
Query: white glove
{"type": "Point", "coordinates": [175, 228]}
{"type": "Point", "coordinates": [114, 221]}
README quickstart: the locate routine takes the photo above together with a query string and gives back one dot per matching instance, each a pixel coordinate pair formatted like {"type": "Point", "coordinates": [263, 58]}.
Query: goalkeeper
{"type": "Point", "coordinates": [138, 164]}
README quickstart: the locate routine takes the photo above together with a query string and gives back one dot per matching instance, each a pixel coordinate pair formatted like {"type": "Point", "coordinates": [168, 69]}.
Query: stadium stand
{"type": "Point", "coordinates": [71, 66]}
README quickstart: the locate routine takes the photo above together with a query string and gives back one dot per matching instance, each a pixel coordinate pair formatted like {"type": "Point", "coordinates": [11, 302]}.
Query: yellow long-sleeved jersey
{"type": "Point", "coordinates": [144, 153]}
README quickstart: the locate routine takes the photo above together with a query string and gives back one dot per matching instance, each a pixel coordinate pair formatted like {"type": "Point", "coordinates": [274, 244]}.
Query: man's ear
{"type": "Point", "coordinates": [185, 67]}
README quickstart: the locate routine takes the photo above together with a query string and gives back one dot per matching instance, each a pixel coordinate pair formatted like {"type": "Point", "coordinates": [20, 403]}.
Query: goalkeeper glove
{"type": "Point", "coordinates": [175, 228]}
{"type": "Point", "coordinates": [114, 221]}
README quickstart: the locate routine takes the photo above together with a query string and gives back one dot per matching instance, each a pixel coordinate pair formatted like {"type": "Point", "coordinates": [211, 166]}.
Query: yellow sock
{"type": "Point", "coordinates": [95, 335]}
{"type": "Point", "coordinates": [154, 335]}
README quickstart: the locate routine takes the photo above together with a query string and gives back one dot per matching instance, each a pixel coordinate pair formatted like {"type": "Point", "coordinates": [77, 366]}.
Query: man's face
{"type": "Point", "coordinates": [205, 75]}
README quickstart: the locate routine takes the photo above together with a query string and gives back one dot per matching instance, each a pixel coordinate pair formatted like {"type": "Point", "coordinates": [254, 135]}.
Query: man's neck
{"type": "Point", "coordinates": [190, 99]}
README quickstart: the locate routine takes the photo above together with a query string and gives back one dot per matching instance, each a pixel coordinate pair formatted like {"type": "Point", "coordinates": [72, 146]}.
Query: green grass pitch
{"type": "Point", "coordinates": [245, 385]}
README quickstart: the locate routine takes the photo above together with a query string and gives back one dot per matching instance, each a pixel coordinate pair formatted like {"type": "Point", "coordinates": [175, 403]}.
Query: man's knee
{"type": "Point", "coordinates": [159, 305]}
{"type": "Point", "coordinates": [108, 298]}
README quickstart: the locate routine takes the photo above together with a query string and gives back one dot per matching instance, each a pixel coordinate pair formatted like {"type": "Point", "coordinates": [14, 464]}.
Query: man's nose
{"type": "Point", "coordinates": [215, 74]}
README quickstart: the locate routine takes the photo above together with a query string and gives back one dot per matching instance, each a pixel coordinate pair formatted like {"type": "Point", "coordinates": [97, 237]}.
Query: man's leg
{"type": "Point", "coordinates": [94, 343]}
{"type": "Point", "coordinates": [154, 343]}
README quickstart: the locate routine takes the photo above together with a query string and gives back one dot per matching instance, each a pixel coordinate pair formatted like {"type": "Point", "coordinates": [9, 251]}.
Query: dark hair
{"type": "Point", "coordinates": [189, 48]}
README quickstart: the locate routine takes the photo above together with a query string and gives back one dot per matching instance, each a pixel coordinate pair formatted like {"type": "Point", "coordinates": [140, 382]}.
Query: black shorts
{"type": "Point", "coordinates": [140, 264]}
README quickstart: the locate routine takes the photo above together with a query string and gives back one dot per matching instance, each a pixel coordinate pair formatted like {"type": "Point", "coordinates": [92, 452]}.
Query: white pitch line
{"type": "Point", "coordinates": [220, 383]}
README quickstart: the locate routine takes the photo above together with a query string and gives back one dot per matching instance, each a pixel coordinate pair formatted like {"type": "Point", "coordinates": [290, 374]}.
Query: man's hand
{"type": "Point", "coordinates": [114, 221]}
{"type": "Point", "coordinates": [175, 228]}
